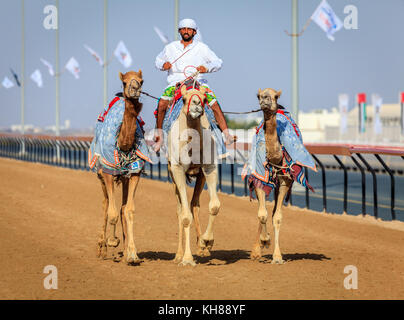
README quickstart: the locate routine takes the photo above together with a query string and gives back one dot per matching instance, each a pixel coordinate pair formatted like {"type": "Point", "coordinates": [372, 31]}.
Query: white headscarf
{"type": "Point", "coordinates": [190, 23]}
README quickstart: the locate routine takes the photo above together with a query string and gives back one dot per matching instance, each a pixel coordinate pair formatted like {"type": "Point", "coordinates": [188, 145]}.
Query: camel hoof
{"type": "Point", "coordinates": [187, 263]}
{"type": "Point", "coordinates": [118, 257]}
{"type": "Point", "coordinates": [177, 259]}
{"type": "Point", "coordinates": [101, 249]}
{"type": "Point", "coordinates": [256, 253]}
{"type": "Point", "coordinates": [113, 242]}
{"type": "Point", "coordinates": [200, 252]}
{"type": "Point", "coordinates": [277, 261]}
{"type": "Point", "coordinates": [206, 252]}
{"type": "Point", "coordinates": [133, 259]}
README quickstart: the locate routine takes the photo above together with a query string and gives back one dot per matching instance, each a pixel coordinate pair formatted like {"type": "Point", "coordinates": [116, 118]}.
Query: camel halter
{"type": "Point", "coordinates": [138, 83]}
{"type": "Point", "coordinates": [190, 99]}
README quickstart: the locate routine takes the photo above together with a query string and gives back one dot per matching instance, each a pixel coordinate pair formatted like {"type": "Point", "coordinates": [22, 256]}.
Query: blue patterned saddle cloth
{"type": "Point", "coordinates": [296, 155]}
{"type": "Point", "coordinates": [104, 153]}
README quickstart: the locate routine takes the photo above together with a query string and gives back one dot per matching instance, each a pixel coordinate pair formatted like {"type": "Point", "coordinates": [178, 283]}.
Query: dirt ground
{"type": "Point", "coordinates": [53, 216]}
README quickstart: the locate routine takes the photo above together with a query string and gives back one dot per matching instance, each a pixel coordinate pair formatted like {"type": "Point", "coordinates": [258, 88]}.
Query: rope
{"type": "Point", "coordinates": [301, 32]}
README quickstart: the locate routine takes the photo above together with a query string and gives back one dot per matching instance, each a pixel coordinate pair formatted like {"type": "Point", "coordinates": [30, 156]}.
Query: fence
{"type": "Point", "coordinates": [72, 152]}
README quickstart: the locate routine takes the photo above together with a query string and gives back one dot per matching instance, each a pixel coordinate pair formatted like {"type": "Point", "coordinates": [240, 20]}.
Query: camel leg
{"type": "Point", "coordinates": [180, 250]}
{"type": "Point", "coordinates": [129, 213]}
{"type": "Point", "coordinates": [113, 214]}
{"type": "Point", "coordinates": [207, 239]}
{"type": "Point", "coordinates": [277, 218]}
{"type": "Point", "coordinates": [195, 207]}
{"type": "Point", "coordinates": [102, 245]}
{"type": "Point", "coordinates": [178, 175]}
{"type": "Point", "coordinates": [125, 185]}
{"type": "Point", "coordinates": [263, 239]}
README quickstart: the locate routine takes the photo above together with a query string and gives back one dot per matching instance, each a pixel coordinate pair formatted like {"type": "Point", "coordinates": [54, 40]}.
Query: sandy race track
{"type": "Point", "coordinates": [52, 216]}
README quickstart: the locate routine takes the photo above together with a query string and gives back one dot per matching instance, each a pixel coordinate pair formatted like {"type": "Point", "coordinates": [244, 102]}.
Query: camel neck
{"type": "Point", "coordinates": [126, 138]}
{"type": "Point", "coordinates": [272, 146]}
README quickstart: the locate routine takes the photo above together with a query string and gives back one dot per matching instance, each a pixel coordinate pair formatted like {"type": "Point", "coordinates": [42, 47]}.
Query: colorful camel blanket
{"type": "Point", "coordinates": [174, 111]}
{"type": "Point", "coordinates": [295, 156]}
{"type": "Point", "coordinates": [104, 152]}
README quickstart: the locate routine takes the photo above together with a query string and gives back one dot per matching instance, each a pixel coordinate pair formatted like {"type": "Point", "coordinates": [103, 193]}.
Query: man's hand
{"type": "Point", "coordinates": [159, 141]}
{"type": "Point", "coordinates": [229, 138]}
{"type": "Point", "coordinates": [202, 69]}
{"type": "Point", "coordinates": [167, 66]}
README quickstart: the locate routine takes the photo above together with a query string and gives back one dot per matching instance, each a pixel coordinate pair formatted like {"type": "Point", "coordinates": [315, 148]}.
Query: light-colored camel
{"type": "Point", "coordinates": [269, 105]}
{"type": "Point", "coordinates": [187, 131]}
{"type": "Point", "coordinates": [132, 84]}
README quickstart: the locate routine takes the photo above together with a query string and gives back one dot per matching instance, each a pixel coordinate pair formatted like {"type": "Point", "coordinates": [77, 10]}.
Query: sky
{"type": "Point", "coordinates": [247, 35]}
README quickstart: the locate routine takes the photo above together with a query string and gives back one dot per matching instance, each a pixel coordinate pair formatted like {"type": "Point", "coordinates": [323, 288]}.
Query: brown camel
{"type": "Point", "coordinates": [132, 84]}
{"type": "Point", "coordinates": [269, 105]}
{"type": "Point", "coordinates": [187, 131]}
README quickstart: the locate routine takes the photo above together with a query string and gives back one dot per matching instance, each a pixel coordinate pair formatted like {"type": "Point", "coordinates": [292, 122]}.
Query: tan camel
{"type": "Point", "coordinates": [188, 130]}
{"type": "Point", "coordinates": [268, 103]}
{"type": "Point", "coordinates": [132, 84]}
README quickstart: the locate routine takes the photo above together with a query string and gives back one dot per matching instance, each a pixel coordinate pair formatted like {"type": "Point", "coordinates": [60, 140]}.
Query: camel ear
{"type": "Point", "coordinates": [279, 93]}
{"type": "Point", "coordinates": [183, 90]}
{"type": "Point", "coordinates": [121, 76]}
{"type": "Point", "coordinates": [140, 73]}
{"type": "Point", "coordinates": [202, 90]}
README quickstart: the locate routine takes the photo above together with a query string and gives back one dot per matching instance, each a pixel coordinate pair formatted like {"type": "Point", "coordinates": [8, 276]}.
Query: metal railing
{"type": "Point", "coordinates": [72, 152]}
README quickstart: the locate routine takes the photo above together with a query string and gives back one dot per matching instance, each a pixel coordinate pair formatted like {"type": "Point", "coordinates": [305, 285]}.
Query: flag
{"type": "Point", "coordinates": [362, 112]}
{"type": "Point", "coordinates": [343, 111]}
{"type": "Point", "coordinates": [161, 35]}
{"type": "Point", "coordinates": [377, 102]}
{"type": "Point", "coordinates": [73, 66]}
{"type": "Point", "coordinates": [36, 76]}
{"type": "Point", "coordinates": [15, 77]}
{"type": "Point", "coordinates": [49, 66]}
{"type": "Point", "coordinates": [326, 19]}
{"type": "Point", "coordinates": [95, 55]}
{"type": "Point", "coordinates": [123, 55]}
{"type": "Point", "coordinates": [7, 83]}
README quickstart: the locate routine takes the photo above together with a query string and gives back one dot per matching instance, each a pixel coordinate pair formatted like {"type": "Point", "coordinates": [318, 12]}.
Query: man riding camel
{"type": "Point", "coordinates": [180, 59]}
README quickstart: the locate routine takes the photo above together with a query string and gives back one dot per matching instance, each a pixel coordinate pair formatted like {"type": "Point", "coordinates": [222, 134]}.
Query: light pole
{"type": "Point", "coordinates": [105, 51]}
{"type": "Point", "coordinates": [57, 76]}
{"type": "Point", "coordinates": [22, 75]}
{"type": "Point", "coordinates": [22, 82]}
{"type": "Point", "coordinates": [176, 7]}
{"type": "Point", "coordinates": [295, 62]}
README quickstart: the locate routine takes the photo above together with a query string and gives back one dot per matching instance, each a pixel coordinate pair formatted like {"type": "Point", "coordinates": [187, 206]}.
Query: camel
{"type": "Point", "coordinates": [188, 127]}
{"type": "Point", "coordinates": [268, 102]}
{"type": "Point", "coordinates": [132, 84]}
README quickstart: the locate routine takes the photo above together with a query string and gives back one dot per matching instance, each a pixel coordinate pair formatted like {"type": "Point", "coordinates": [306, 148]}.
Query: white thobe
{"type": "Point", "coordinates": [194, 55]}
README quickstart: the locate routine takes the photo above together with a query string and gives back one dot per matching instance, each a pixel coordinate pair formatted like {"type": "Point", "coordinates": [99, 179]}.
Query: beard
{"type": "Point", "coordinates": [187, 37]}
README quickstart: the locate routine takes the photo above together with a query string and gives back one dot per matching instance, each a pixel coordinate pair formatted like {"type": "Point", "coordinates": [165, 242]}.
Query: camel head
{"type": "Point", "coordinates": [194, 101]}
{"type": "Point", "coordinates": [132, 82]}
{"type": "Point", "coordinates": [268, 99]}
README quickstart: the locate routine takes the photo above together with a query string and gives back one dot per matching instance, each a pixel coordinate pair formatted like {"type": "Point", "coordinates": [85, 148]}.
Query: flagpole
{"type": "Point", "coordinates": [295, 63]}
{"type": "Point", "coordinates": [105, 52]}
{"type": "Point", "coordinates": [57, 75]}
{"type": "Point", "coordinates": [22, 71]}
{"type": "Point", "coordinates": [176, 19]}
